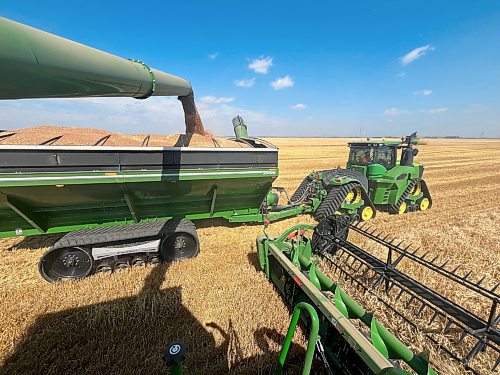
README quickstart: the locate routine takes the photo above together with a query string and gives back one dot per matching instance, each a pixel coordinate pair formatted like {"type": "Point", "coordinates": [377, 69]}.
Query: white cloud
{"type": "Point", "coordinates": [126, 115]}
{"type": "Point", "coordinates": [396, 112]}
{"type": "Point", "coordinates": [299, 106]}
{"type": "Point", "coordinates": [415, 54]}
{"type": "Point", "coordinates": [246, 83]}
{"type": "Point", "coordinates": [261, 64]}
{"type": "Point", "coordinates": [155, 115]}
{"type": "Point", "coordinates": [475, 108]}
{"type": "Point", "coordinates": [435, 110]}
{"type": "Point", "coordinates": [215, 100]}
{"type": "Point", "coordinates": [400, 75]}
{"type": "Point", "coordinates": [213, 56]}
{"type": "Point", "coordinates": [282, 83]}
{"type": "Point", "coordinates": [424, 92]}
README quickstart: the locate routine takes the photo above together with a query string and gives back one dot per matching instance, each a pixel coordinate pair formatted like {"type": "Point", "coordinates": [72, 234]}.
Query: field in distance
{"type": "Point", "coordinates": [219, 303]}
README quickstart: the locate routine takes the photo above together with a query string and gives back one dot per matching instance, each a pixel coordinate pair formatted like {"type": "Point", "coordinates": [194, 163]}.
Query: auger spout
{"type": "Point", "coordinates": [37, 64]}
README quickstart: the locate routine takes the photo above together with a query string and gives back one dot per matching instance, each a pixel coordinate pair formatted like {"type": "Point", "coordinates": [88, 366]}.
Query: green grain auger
{"type": "Point", "coordinates": [36, 64]}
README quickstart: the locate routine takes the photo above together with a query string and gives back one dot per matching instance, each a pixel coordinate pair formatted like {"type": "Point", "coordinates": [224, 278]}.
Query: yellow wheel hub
{"type": "Point", "coordinates": [354, 196]}
{"type": "Point", "coordinates": [417, 189]}
{"type": "Point", "coordinates": [366, 213]}
{"type": "Point", "coordinates": [424, 204]}
{"type": "Point", "coordinates": [402, 208]}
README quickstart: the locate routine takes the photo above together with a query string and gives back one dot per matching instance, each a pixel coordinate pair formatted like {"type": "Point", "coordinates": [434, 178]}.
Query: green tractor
{"type": "Point", "coordinates": [373, 180]}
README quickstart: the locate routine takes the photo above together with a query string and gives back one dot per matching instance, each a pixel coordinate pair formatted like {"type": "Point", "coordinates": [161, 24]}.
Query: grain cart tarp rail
{"type": "Point", "coordinates": [469, 336]}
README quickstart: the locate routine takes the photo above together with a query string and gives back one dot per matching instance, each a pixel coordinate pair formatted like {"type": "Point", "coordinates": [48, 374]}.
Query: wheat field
{"type": "Point", "coordinates": [219, 304]}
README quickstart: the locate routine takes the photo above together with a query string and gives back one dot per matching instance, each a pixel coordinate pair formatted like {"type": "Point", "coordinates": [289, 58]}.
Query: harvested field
{"type": "Point", "coordinates": [218, 303]}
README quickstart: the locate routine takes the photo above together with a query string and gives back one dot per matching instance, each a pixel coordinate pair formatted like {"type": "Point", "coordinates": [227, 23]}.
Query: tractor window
{"type": "Point", "coordinates": [386, 156]}
{"type": "Point", "coordinates": [361, 155]}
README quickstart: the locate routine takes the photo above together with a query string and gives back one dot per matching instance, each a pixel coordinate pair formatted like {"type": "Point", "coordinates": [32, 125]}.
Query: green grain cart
{"type": "Point", "coordinates": [120, 205]}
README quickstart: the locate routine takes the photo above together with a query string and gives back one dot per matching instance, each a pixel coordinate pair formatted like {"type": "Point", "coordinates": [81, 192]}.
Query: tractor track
{"type": "Point", "coordinates": [333, 200]}
{"type": "Point", "coordinates": [394, 208]}
{"type": "Point", "coordinates": [300, 193]}
{"type": "Point", "coordinates": [337, 194]}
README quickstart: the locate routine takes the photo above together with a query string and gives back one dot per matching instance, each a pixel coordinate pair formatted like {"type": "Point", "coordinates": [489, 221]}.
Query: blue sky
{"type": "Point", "coordinates": [319, 68]}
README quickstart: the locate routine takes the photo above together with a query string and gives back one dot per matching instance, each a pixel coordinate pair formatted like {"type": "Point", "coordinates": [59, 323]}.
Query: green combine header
{"type": "Point", "coordinates": [313, 266]}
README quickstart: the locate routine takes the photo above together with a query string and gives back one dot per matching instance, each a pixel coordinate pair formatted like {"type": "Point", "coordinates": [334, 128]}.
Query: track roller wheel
{"type": "Point", "coordinates": [66, 263]}
{"type": "Point", "coordinates": [424, 204]}
{"type": "Point", "coordinates": [417, 189]}
{"type": "Point", "coordinates": [105, 265]}
{"type": "Point", "coordinates": [139, 260]}
{"type": "Point", "coordinates": [153, 259]}
{"type": "Point", "coordinates": [402, 208]}
{"type": "Point", "coordinates": [180, 244]}
{"type": "Point", "coordinates": [366, 213]}
{"type": "Point", "coordinates": [122, 263]}
{"type": "Point", "coordinates": [354, 196]}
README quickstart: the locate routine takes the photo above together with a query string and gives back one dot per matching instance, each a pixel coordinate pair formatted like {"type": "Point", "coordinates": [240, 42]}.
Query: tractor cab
{"type": "Point", "coordinates": [377, 157]}
{"type": "Point", "coordinates": [372, 158]}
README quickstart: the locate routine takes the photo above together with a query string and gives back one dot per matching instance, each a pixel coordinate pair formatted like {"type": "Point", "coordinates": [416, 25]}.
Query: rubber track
{"type": "Point", "coordinates": [182, 225]}
{"type": "Point", "coordinates": [394, 208]}
{"type": "Point", "coordinates": [125, 234]}
{"type": "Point", "coordinates": [425, 190]}
{"type": "Point", "coordinates": [107, 235]}
{"type": "Point", "coordinates": [333, 201]}
{"type": "Point", "coordinates": [300, 190]}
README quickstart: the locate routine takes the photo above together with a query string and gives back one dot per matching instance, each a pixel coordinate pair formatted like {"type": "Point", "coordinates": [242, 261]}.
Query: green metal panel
{"type": "Point", "coordinates": [59, 202]}
{"type": "Point", "coordinates": [375, 170]}
{"type": "Point", "coordinates": [36, 64]}
{"type": "Point", "coordinates": [388, 188]}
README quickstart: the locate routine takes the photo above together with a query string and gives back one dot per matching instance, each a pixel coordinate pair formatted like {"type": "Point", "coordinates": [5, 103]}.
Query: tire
{"type": "Point", "coordinates": [66, 263]}
{"type": "Point", "coordinates": [180, 241]}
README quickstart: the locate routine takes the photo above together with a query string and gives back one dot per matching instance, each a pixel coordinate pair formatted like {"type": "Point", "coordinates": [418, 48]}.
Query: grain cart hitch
{"type": "Point", "coordinates": [304, 261]}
